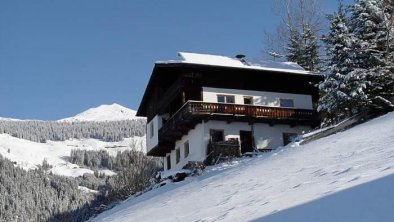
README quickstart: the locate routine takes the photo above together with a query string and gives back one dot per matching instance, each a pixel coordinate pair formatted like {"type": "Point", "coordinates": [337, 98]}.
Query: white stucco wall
{"type": "Point", "coordinates": [154, 140]}
{"type": "Point", "coordinates": [271, 137]}
{"type": "Point", "coordinates": [265, 137]}
{"type": "Point", "coordinates": [259, 97]}
{"type": "Point", "coordinates": [196, 150]}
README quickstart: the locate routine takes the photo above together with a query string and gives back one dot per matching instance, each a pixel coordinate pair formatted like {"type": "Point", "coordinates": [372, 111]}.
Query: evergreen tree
{"type": "Point", "coordinates": [303, 48]}
{"type": "Point", "coordinates": [294, 48]}
{"type": "Point", "coordinates": [371, 82]}
{"type": "Point", "coordinates": [360, 75]}
{"type": "Point", "coordinates": [310, 53]}
{"type": "Point", "coordinates": [335, 99]}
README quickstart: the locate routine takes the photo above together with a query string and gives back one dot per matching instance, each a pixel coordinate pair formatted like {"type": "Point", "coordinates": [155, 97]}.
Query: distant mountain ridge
{"type": "Point", "coordinates": [113, 112]}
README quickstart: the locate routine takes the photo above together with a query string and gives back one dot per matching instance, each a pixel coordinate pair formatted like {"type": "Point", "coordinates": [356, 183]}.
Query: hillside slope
{"type": "Point", "coordinates": [348, 176]}
{"type": "Point", "coordinates": [29, 155]}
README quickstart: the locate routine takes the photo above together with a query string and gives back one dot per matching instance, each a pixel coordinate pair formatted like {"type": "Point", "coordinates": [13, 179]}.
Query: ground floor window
{"type": "Point", "coordinates": [186, 148]}
{"type": "Point", "coordinates": [288, 138]}
{"type": "Point", "coordinates": [178, 155]}
{"type": "Point", "coordinates": [217, 135]}
{"type": "Point", "coordinates": [152, 130]}
{"type": "Point", "coordinates": [169, 162]}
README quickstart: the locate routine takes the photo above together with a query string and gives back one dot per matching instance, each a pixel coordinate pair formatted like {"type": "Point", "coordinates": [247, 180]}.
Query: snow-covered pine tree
{"type": "Point", "coordinates": [294, 47]}
{"type": "Point", "coordinates": [303, 48]}
{"type": "Point", "coordinates": [387, 7]}
{"type": "Point", "coordinates": [335, 101]}
{"type": "Point", "coordinates": [310, 52]}
{"type": "Point", "coordinates": [371, 82]}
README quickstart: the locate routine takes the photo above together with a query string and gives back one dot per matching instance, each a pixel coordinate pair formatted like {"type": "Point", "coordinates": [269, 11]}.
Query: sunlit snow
{"type": "Point", "coordinates": [348, 176]}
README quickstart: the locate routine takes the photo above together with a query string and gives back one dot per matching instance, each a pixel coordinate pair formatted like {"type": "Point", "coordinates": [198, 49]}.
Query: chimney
{"type": "Point", "coordinates": [241, 57]}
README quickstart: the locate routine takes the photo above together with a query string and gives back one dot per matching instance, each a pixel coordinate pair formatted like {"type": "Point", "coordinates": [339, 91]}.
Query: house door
{"type": "Point", "coordinates": [246, 141]}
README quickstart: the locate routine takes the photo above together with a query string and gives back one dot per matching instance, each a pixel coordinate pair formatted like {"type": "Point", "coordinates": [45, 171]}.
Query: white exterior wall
{"type": "Point", "coordinates": [266, 137]}
{"type": "Point", "coordinates": [196, 149]}
{"type": "Point", "coordinates": [152, 141]}
{"type": "Point", "coordinates": [259, 97]}
{"type": "Point", "coordinates": [271, 137]}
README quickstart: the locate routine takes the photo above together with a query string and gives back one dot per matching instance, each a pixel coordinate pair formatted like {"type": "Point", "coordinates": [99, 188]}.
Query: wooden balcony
{"type": "Point", "coordinates": [193, 112]}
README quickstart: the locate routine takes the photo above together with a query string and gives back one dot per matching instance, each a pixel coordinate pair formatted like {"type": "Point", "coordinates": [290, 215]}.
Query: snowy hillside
{"type": "Point", "coordinates": [348, 176]}
{"type": "Point", "coordinates": [104, 113]}
{"type": "Point", "coordinates": [29, 155]}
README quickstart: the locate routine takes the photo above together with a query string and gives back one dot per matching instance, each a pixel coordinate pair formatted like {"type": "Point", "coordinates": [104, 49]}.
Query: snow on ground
{"type": "Point", "coordinates": [28, 154]}
{"type": "Point", "coordinates": [104, 113]}
{"type": "Point", "coordinates": [348, 176]}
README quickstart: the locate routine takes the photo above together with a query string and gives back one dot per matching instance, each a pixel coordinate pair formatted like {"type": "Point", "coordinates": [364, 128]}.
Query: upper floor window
{"type": "Point", "coordinates": [286, 103]}
{"type": "Point", "coordinates": [152, 130]}
{"type": "Point", "coordinates": [226, 99]}
{"type": "Point", "coordinates": [248, 100]}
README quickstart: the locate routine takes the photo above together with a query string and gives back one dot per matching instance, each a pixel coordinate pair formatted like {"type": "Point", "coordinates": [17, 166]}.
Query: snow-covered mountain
{"type": "Point", "coordinates": [348, 176]}
{"type": "Point", "coordinates": [104, 113]}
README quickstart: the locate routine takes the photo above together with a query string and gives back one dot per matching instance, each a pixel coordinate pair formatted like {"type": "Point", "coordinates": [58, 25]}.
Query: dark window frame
{"type": "Point", "coordinates": [283, 103]}
{"type": "Point", "coordinates": [225, 98]}
{"type": "Point", "coordinates": [177, 155]}
{"type": "Point", "coordinates": [217, 130]}
{"type": "Point", "coordinates": [168, 162]}
{"type": "Point", "coordinates": [152, 129]}
{"type": "Point", "coordinates": [250, 98]}
{"type": "Point", "coordinates": [288, 138]}
{"type": "Point", "coordinates": [186, 149]}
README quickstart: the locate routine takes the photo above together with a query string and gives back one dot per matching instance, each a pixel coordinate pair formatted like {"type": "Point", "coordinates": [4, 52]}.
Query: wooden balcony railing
{"type": "Point", "coordinates": [250, 110]}
{"type": "Point", "coordinates": [194, 111]}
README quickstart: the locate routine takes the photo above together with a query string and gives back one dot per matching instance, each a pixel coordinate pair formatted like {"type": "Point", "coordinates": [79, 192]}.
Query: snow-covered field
{"type": "Point", "coordinates": [348, 176]}
{"type": "Point", "coordinates": [28, 154]}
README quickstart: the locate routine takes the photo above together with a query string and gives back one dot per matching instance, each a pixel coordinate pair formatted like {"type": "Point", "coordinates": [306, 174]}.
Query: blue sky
{"type": "Point", "coordinates": [59, 58]}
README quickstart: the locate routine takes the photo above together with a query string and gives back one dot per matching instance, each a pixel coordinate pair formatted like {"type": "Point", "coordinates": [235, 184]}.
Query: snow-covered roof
{"type": "Point", "coordinates": [217, 60]}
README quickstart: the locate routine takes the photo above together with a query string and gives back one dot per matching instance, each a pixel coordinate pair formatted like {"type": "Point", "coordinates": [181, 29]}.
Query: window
{"type": "Point", "coordinates": [178, 155]}
{"type": "Point", "coordinates": [217, 135]}
{"type": "Point", "coordinates": [226, 99]}
{"type": "Point", "coordinates": [221, 99]}
{"type": "Point", "coordinates": [288, 138]}
{"type": "Point", "coordinates": [152, 130]}
{"type": "Point", "coordinates": [169, 162]}
{"type": "Point", "coordinates": [186, 148]}
{"type": "Point", "coordinates": [230, 99]}
{"type": "Point", "coordinates": [286, 103]}
{"type": "Point", "coordinates": [248, 100]}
